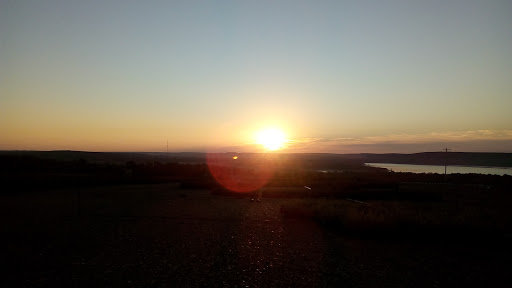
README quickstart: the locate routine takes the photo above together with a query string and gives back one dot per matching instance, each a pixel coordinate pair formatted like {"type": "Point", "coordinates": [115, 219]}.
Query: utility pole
{"type": "Point", "coordinates": [445, 161]}
{"type": "Point", "coordinates": [167, 146]}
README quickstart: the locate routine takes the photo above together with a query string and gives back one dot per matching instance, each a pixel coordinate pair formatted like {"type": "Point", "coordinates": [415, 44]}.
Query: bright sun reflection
{"type": "Point", "coordinates": [271, 139]}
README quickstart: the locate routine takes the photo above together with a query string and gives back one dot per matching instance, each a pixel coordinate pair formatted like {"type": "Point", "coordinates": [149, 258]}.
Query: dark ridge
{"type": "Point", "coordinates": [443, 158]}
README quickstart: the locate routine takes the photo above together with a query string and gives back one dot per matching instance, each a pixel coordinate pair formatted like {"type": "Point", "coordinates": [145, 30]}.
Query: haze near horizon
{"type": "Point", "coordinates": [324, 76]}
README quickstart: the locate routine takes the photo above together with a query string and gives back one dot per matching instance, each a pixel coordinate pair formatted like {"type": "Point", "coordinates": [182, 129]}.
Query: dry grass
{"type": "Point", "coordinates": [399, 217]}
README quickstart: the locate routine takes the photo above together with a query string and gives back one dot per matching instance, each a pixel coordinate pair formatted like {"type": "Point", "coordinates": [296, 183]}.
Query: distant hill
{"type": "Point", "coordinates": [443, 158]}
{"type": "Point", "coordinates": [110, 157]}
{"type": "Point", "coordinates": [315, 161]}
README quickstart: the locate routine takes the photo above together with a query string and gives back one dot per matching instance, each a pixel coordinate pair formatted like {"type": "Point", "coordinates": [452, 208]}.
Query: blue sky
{"type": "Point", "coordinates": [130, 75]}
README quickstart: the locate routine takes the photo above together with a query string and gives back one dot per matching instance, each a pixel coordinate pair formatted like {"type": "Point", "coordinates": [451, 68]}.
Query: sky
{"type": "Point", "coordinates": [334, 76]}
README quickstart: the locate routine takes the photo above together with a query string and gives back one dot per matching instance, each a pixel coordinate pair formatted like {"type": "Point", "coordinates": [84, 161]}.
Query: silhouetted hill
{"type": "Point", "coordinates": [110, 157]}
{"type": "Point", "coordinates": [442, 158]}
{"type": "Point", "coordinates": [316, 161]}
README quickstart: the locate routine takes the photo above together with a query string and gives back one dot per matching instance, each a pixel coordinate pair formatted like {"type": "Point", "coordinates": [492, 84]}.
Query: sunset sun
{"type": "Point", "coordinates": [271, 139]}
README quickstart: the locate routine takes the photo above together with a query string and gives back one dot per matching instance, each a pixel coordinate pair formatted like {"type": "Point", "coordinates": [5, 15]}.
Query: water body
{"type": "Point", "coordinates": [440, 169]}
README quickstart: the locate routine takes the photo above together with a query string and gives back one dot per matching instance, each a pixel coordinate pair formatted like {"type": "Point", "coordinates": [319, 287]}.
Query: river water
{"type": "Point", "coordinates": [440, 169]}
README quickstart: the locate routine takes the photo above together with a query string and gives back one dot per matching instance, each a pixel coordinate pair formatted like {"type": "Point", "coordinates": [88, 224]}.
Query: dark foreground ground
{"type": "Point", "coordinates": [162, 236]}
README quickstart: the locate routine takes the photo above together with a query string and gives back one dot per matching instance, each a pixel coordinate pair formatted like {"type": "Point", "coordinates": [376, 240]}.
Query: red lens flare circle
{"type": "Point", "coordinates": [240, 173]}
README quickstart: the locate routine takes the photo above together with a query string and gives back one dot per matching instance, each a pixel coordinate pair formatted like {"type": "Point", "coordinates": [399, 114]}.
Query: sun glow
{"type": "Point", "coordinates": [271, 139]}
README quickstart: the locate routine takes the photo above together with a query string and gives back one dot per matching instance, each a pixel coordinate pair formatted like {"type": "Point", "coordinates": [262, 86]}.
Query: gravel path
{"type": "Point", "coordinates": [203, 240]}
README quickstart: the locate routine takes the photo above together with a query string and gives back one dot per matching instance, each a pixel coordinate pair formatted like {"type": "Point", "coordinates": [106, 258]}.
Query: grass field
{"type": "Point", "coordinates": [399, 218]}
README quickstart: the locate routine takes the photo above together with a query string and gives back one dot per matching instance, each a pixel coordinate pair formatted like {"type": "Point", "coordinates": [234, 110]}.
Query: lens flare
{"type": "Point", "coordinates": [248, 173]}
